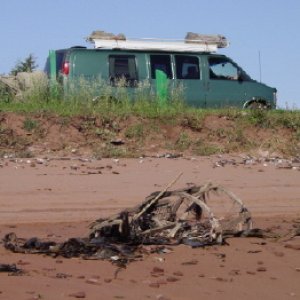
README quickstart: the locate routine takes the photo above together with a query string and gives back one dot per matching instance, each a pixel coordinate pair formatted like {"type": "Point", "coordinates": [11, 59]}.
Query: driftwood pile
{"type": "Point", "coordinates": [14, 87]}
{"type": "Point", "coordinates": [184, 216]}
{"type": "Point", "coordinates": [173, 217]}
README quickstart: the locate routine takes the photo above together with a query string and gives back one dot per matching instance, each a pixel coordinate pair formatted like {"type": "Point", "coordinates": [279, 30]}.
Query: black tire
{"type": "Point", "coordinates": [258, 105]}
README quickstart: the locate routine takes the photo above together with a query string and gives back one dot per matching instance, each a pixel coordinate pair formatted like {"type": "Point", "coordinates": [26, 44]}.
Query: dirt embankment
{"type": "Point", "coordinates": [27, 135]}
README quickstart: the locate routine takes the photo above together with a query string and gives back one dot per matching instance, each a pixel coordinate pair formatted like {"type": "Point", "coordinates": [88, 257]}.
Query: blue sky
{"type": "Point", "coordinates": [269, 27]}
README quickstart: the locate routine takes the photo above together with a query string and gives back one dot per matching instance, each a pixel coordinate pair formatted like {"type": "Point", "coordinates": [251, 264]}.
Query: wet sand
{"type": "Point", "coordinates": [58, 199]}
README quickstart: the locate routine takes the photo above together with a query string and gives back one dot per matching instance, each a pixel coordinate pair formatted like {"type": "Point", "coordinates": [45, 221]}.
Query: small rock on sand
{"type": "Point", "coordinates": [78, 295]}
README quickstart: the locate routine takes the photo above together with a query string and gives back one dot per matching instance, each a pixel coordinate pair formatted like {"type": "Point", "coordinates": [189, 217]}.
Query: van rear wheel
{"type": "Point", "coordinates": [258, 105]}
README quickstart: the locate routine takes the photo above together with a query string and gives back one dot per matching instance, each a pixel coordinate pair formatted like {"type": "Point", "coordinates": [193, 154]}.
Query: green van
{"type": "Point", "coordinates": [207, 79]}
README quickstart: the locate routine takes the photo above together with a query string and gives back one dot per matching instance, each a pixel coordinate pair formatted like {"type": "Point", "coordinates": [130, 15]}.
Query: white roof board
{"type": "Point", "coordinates": [192, 43]}
{"type": "Point", "coordinates": [152, 44]}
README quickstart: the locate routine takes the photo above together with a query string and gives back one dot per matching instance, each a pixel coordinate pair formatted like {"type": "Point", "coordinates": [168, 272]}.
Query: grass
{"type": "Point", "coordinates": [116, 106]}
{"type": "Point", "coordinates": [84, 101]}
{"type": "Point", "coordinates": [30, 124]}
{"type": "Point", "coordinates": [111, 151]}
{"type": "Point", "coordinates": [202, 148]}
{"type": "Point", "coordinates": [135, 131]}
{"type": "Point", "coordinates": [183, 142]}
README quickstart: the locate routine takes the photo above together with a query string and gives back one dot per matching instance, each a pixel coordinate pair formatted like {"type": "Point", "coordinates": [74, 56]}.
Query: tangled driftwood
{"type": "Point", "coordinates": [179, 216]}
{"type": "Point", "coordinates": [184, 216]}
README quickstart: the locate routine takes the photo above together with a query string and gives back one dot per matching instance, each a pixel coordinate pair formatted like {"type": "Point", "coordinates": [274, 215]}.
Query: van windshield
{"type": "Point", "coordinates": [223, 68]}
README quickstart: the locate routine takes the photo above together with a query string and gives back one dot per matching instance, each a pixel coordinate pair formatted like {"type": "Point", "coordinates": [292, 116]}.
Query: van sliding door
{"type": "Point", "coordinates": [161, 70]}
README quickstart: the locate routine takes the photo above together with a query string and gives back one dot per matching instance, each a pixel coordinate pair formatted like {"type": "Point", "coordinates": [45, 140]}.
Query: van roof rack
{"type": "Point", "coordinates": [193, 42]}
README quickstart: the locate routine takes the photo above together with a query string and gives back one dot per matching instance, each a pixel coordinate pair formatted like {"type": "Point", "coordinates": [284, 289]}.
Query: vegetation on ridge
{"type": "Point", "coordinates": [115, 126]}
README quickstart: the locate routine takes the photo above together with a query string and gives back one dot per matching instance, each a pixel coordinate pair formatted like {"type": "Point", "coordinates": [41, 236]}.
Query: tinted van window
{"type": "Point", "coordinates": [187, 67]}
{"type": "Point", "coordinates": [123, 67]}
{"type": "Point", "coordinates": [162, 63]}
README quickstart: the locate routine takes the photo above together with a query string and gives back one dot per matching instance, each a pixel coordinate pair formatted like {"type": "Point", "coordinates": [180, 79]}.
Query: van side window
{"type": "Point", "coordinates": [123, 67]}
{"type": "Point", "coordinates": [187, 67]}
{"type": "Point", "coordinates": [222, 68]}
{"type": "Point", "coordinates": [162, 63]}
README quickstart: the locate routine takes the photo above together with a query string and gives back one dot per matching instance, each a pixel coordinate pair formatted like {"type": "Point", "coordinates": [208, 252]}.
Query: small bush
{"type": "Point", "coordinates": [183, 142]}
{"type": "Point", "coordinates": [201, 148]}
{"type": "Point", "coordinates": [30, 124]}
{"type": "Point", "coordinates": [135, 131]}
